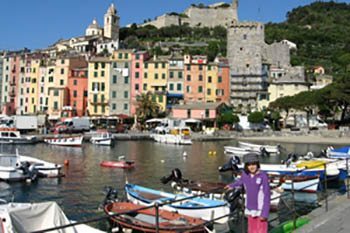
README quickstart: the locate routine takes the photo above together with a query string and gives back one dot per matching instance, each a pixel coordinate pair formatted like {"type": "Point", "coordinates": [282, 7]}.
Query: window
{"type": "Point", "coordinates": [126, 55]}
{"type": "Point", "coordinates": [95, 74]}
{"type": "Point", "coordinates": [200, 89]}
{"type": "Point", "coordinates": [209, 67]}
{"type": "Point", "coordinates": [95, 98]}
{"type": "Point", "coordinates": [156, 65]}
{"type": "Point", "coordinates": [75, 82]}
{"type": "Point", "coordinates": [145, 75]}
{"type": "Point", "coordinates": [171, 75]}
{"type": "Point", "coordinates": [244, 37]}
{"type": "Point", "coordinates": [206, 113]}
{"type": "Point", "coordinates": [208, 91]}
{"type": "Point", "coordinates": [163, 76]}
{"type": "Point", "coordinates": [96, 65]}
{"type": "Point", "coordinates": [219, 79]}
{"type": "Point", "coordinates": [171, 86]}
{"type": "Point", "coordinates": [55, 105]}
{"type": "Point", "coordinates": [188, 67]}
{"type": "Point", "coordinates": [103, 65]}
{"type": "Point", "coordinates": [126, 94]}
{"type": "Point", "coordinates": [33, 101]}
{"type": "Point", "coordinates": [180, 75]}
{"type": "Point", "coordinates": [102, 86]}
{"type": "Point", "coordinates": [145, 86]}
{"type": "Point", "coordinates": [200, 67]}
{"type": "Point", "coordinates": [126, 65]}
{"type": "Point", "coordinates": [137, 65]}
{"type": "Point", "coordinates": [114, 94]}
{"type": "Point", "coordinates": [146, 65]}
{"type": "Point", "coordinates": [114, 78]}
{"type": "Point", "coordinates": [179, 87]}
{"type": "Point", "coordinates": [102, 98]}
{"type": "Point", "coordinates": [137, 56]}
{"type": "Point", "coordinates": [160, 99]}
{"type": "Point", "coordinates": [120, 55]}
{"type": "Point", "coordinates": [114, 106]}
{"type": "Point", "coordinates": [114, 65]}
{"type": "Point", "coordinates": [126, 80]}
{"type": "Point", "coordinates": [75, 94]}
{"type": "Point", "coordinates": [95, 109]}
{"type": "Point", "coordinates": [137, 87]}
{"type": "Point", "coordinates": [188, 89]}
{"type": "Point", "coordinates": [62, 71]}
{"type": "Point", "coordinates": [102, 73]}
{"type": "Point", "coordinates": [188, 77]}
{"type": "Point", "coordinates": [55, 93]}
{"type": "Point", "coordinates": [188, 113]}
{"type": "Point", "coordinates": [209, 79]}
{"type": "Point", "coordinates": [137, 74]}
{"type": "Point", "coordinates": [155, 76]}
{"type": "Point", "coordinates": [85, 93]}
{"type": "Point", "coordinates": [200, 77]}
{"type": "Point", "coordinates": [163, 65]}
{"type": "Point", "coordinates": [61, 82]}
{"type": "Point", "coordinates": [126, 106]}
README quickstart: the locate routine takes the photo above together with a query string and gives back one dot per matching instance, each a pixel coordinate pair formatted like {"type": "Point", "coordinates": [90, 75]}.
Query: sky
{"type": "Point", "coordinates": [37, 24]}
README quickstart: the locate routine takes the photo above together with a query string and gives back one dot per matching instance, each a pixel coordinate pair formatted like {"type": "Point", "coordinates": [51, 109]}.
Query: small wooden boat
{"type": "Point", "coordinates": [257, 147]}
{"type": "Point", "coordinates": [204, 208]}
{"type": "Point", "coordinates": [144, 220]}
{"type": "Point", "coordinates": [103, 138]}
{"type": "Point", "coordinates": [118, 164]}
{"type": "Point", "coordinates": [65, 141]}
{"type": "Point", "coordinates": [307, 184]}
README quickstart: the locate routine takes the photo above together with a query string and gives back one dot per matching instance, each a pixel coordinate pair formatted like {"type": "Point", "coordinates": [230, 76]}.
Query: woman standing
{"type": "Point", "coordinates": [256, 185]}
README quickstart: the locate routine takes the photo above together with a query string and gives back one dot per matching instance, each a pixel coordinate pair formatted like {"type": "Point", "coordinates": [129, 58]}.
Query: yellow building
{"type": "Point", "coordinates": [155, 79]}
{"type": "Point", "coordinates": [33, 87]}
{"type": "Point", "coordinates": [98, 86]}
{"type": "Point", "coordinates": [284, 86]}
{"type": "Point", "coordinates": [211, 82]}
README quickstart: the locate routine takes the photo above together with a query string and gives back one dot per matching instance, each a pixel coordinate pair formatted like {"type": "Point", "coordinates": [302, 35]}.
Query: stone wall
{"type": "Point", "coordinates": [277, 54]}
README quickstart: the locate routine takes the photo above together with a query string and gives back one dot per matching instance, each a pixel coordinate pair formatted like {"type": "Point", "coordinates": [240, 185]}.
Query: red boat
{"type": "Point", "coordinates": [144, 219]}
{"type": "Point", "coordinates": [118, 164]}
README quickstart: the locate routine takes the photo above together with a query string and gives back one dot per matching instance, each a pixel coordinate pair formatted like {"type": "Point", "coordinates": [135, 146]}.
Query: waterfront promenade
{"type": "Point", "coordinates": [335, 220]}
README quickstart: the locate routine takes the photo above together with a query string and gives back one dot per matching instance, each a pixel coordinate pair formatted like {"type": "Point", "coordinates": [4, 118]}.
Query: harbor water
{"type": "Point", "coordinates": [80, 192]}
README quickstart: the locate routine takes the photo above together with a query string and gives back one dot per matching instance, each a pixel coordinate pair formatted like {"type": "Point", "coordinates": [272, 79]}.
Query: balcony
{"type": "Point", "coordinates": [99, 102]}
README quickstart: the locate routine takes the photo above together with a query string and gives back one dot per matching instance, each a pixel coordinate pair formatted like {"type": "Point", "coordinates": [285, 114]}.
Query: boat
{"type": "Point", "coordinates": [212, 190]}
{"type": "Point", "coordinates": [32, 217]}
{"type": "Point", "coordinates": [15, 167]}
{"type": "Point", "coordinates": [339, 153]}
{"type": "Point", "coordinates": [65, 141]}
{"type": "Point", "coordinates": [138, 218]}
{"type": "Point", "coordinates": [197, 207]}
{"type": "Point", "coordinates": [13, 136]}
{"type": "Point", "coordinates": [309, 184]}
{"type": "Point", "coordinates": [238, 151]}
{"type": "Point", "coordinates": [176, 135]}
{"type": "Point", "coordinates": [121, 163]}
{"type": "Point", "coordinates": [257, 148]}
{"type": "Point", "coordinates": [103, 138]}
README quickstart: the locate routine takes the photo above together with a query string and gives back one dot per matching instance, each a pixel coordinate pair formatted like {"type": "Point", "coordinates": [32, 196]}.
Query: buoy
{"type": "Point", "coordinates": [184, 154]}
{"type": "Point", "coordinates": [210, 152]}
{"type": "Point", "coordinates": [162, 161]}
{"type": "Point", "coordinates": [214, 152]}
{"type": "Point", "coordinates": [66, 162]}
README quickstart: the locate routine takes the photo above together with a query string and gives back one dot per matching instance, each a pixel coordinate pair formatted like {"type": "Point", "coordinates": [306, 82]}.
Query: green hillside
{"type": "Point", "coordinates": [322, 33]}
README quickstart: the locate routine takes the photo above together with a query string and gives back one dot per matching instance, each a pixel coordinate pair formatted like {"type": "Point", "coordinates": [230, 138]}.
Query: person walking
{"type": "Point", "coordinates": [256, 185]}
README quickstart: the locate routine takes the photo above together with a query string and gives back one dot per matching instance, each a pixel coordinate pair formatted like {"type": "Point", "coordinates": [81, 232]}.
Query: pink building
{"type": "Point", "coordinates": [199, 111]}
{"type": "Point", "coordinates": [195, 76]}
{"type": "Point", "coordinates": [137, 74]}
{"type": "Point", "coordinates": [223, 83]}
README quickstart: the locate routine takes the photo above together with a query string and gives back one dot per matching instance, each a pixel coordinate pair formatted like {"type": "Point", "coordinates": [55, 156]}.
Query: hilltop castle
{"type": "Point", "coordinates": [218, 14]}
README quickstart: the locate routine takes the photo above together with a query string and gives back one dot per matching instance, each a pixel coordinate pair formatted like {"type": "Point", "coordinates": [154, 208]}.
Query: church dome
{"type": "Point", "coordinates": [94, 25]}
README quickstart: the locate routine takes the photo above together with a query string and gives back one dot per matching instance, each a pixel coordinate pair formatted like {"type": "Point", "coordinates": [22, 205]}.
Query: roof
{"type": "Point", "coordinates": [199, 105]}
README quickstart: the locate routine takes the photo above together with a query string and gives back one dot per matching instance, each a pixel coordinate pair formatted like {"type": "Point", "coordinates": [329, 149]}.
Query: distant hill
{"type": "Point", "coordinates": [321, 31]}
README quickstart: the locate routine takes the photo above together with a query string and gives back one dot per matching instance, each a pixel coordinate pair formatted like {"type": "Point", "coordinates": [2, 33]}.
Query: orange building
{"type": "Point", "coordinates": [223, 83]}
{"type": "Point", "coordinates": [78, 92]}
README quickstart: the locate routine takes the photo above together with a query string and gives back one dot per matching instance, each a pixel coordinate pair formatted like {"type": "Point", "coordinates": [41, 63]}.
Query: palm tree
{"type": "Point", "coordinates": [146, 106]}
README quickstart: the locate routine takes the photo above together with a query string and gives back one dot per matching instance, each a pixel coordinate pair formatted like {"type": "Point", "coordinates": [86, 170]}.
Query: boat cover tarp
{"type": "Point", "coordinates": [343, 152]}
{"type": "Point", "coordinates": [40, 216]}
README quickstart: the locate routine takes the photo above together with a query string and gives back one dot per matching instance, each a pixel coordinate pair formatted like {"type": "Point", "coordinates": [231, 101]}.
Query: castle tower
{"type": "Point", "coordinates": [235, 10]}
{"type": "Point", "coordinates": [245, 51]}
{"type": "Point", "coordinates": [111, 24]}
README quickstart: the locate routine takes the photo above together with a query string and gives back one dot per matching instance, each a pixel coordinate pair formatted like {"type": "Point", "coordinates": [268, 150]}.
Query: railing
{"type": "Point", "coordinates": [292, 209]}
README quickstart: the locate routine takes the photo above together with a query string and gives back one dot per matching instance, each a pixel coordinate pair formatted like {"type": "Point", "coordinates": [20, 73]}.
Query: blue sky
{"type": "Point", "coordinates": [39, 23]}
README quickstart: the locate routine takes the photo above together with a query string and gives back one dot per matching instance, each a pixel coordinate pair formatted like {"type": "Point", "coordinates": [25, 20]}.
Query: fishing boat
{"type": "Point", "coordinates": [136, 217]}
{"type": "Point", "coordinates": [32, 217]}
{"type": "Point", "coordinates": [197, 207]}
{"type": "Point", "coordinates": [257, 147]}
{"type": "Point", "coordinates": [103, 138]}
{"type": "Point", "coordinates": [13, 136]}
{"type": "Point", "coordinates": [309, 184]}
{"type": "Point", "coordinates": [339, 153]}
{"type": "Point", "coordinates": [176, 135]}
{"type": "Point", "coordinates": [15, 167]}
{"type": "Point", "coordinates": [65, 141]}
{"type": "Point", "coordinates": [212, 190]}
{"type": "Point", "coordinates": [121, 163]}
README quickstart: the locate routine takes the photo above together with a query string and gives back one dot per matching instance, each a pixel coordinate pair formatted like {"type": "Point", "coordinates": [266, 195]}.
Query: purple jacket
{"type": "Point", "coordinates": [258, 193]}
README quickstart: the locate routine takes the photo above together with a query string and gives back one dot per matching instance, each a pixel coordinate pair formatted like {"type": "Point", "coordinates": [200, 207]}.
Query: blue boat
{"type": "Point", "coordinates": [339, 153]}
{"type": "Point", "coordinates": [204, 208]}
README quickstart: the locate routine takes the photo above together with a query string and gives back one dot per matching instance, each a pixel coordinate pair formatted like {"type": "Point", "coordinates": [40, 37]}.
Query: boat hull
{"type": "Point", "coordinates": [258, 148]}
{"type": "Point", "coordinates": [118, 164]}
{"type": "Point", "coordinates": [171, 139]}
{"type": "Point", "coordinates": [67, 141]}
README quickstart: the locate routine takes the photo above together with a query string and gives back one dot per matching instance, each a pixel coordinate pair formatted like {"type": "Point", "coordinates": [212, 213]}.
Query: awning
{"type": "Point", "coordinates": [192, 121]}
{"type": "Point", "coordinates": [154, 120]}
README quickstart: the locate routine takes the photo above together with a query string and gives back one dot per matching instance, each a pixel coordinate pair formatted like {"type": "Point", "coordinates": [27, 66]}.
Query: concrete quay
{"type": "Point", "coordinates": [335, 220]}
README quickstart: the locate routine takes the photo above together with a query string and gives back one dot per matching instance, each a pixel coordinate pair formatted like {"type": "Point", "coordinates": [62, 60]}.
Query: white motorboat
{"type": "Point", "coordinates": [103, 138]}
{"type": "Point", "coordinates": [65, 141]}
{"type": "Point", "coordinates": [258, 148]}
{"type": "Point", "coordinates": [176, 135]}
{"type": "Point", "coordinates": [15, 167]}
{"type": "Point", "coordinates": [30, 217]}
{"type": "Point", "coordinates": [238, 151]}
{"type": "Point", "coordinates": [13, 136]}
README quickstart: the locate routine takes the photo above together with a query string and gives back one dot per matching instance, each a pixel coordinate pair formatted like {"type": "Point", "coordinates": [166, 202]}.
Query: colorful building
{"type": "Point", "coordinates": [195, 73]}
{"type": "Point", "coordinates": [78, 92]}
{"type": "Point", "coordinates": [175, 84]}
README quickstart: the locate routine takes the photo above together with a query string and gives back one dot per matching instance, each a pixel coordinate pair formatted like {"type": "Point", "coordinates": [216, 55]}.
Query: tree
{"type": "Point", "coordinates": [146, 107]}
{"type": "Point", "coordinates": [285, 104]}
{"type": "Point", "coordinates": [256, 118]}
{"type": "Point", "coordinates": [227, 118]}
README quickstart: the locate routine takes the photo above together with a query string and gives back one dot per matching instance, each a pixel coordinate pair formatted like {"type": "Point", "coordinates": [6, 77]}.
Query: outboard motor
{"type": "Point", "coordinates": [231, 165]}
{"type": "Point", "coordinates": [111, 195]}
{"type": "Point", "coordinates": [233, 197]}
{"type": "Point", "coordinates": [264, 152]}
{"type": "Point", "coordinates": [29, 169]}
{"type": "Point", "coordinates": [175, 175]}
